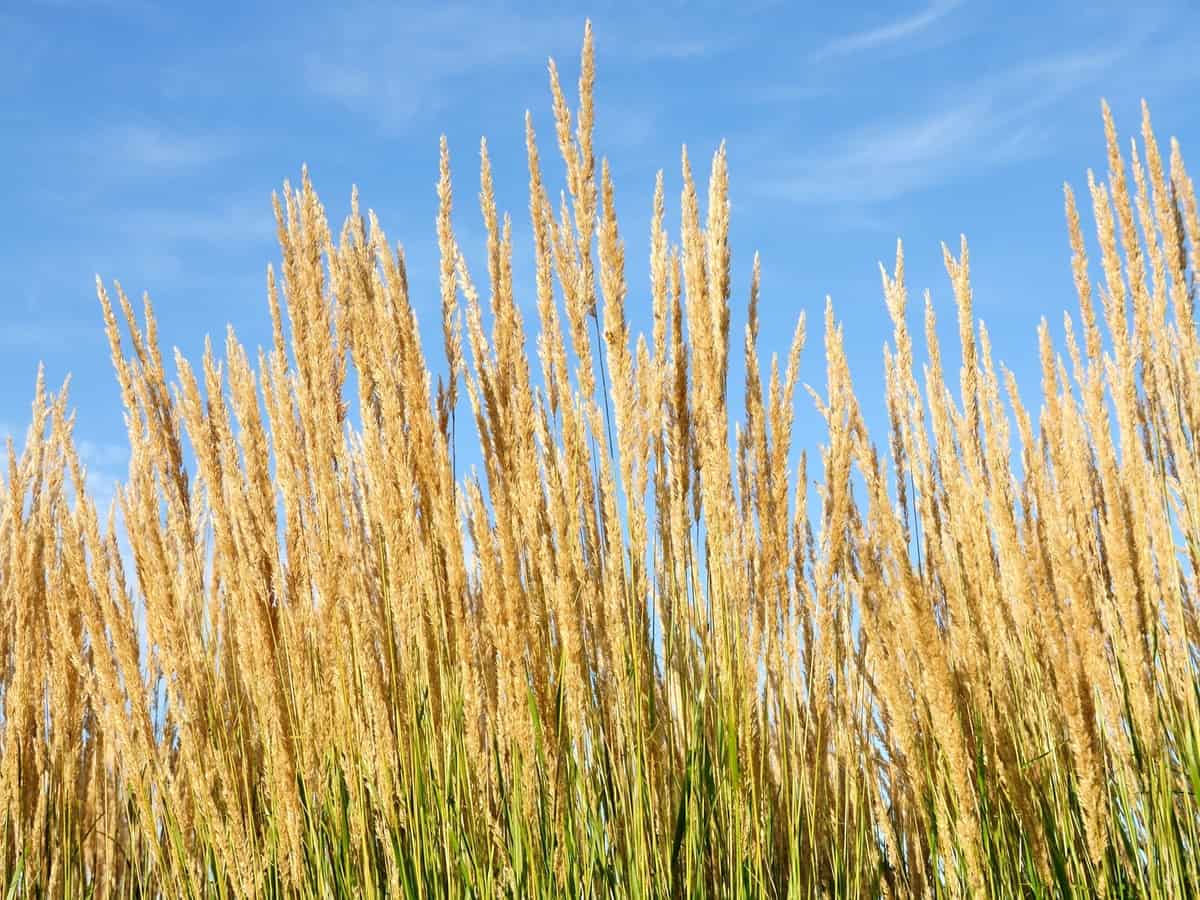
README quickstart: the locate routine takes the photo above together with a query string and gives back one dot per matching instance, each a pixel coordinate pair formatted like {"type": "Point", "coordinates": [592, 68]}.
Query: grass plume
{"type": "Point", "coordinates": [620, 659]}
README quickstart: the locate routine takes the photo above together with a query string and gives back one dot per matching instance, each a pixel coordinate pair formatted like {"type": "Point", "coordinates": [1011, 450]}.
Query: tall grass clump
{"type": "Point", "coordinates": [307, 653]}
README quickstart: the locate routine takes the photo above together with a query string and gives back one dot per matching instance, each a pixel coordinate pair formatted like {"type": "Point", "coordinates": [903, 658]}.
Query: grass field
{"type": "Point", "coordinates": [309, 653]}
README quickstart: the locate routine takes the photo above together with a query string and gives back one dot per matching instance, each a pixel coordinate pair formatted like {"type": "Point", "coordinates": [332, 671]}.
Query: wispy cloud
{"type": "Point", "coordinates": [137, 148]}
{"type": "Point", "coordinates": [21, 48]}
{"type": "Point", "coordinates": [42, 334]}
{"type": "Point", "coordinates": [233, 221]}
{"type": "Point", "coordinates": [106, 465]}
{"type": "Point", "coordinates": [114, 7]}
{"type": "Point", "coordinates": [102, 454]}
{"type": "Point", "coordinates": [105, 462]}
{"type": "Point", "coordinates": [999, 120]}
{"type": "Point", "coordinates": [886, 160]}
{"type": "Point", "coordinates": [393, 63]}
{"type": "Point", "coordinates": [652, 46]}
{"type": "Point", "coordinates": [886, 35]}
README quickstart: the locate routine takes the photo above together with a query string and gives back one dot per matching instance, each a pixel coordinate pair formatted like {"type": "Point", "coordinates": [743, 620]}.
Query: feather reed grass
{"type": "Point", "coordinates": [620, 659]}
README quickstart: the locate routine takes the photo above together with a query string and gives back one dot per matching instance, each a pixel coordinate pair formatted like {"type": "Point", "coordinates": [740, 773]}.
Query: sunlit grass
{"type": "Point", "coordinates": [621, 660]}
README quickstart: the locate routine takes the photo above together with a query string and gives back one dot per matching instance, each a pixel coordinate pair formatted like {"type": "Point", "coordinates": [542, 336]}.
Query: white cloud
{"type": "Point", "coordinates": [392, 64]}
{"type": "Point", "coordinates": [22, 48]}
{"type": "Point", "coordinates": [888, 34]}
{"type": "Point", "coordinates": [111, 7]}
{"type": "Point", "coordinates": [234, 221]}
{"type": "Point", "coordinates": [652, 46]}
{"type": "Point", "coordinates": [143, 148]}
{"type": "Point", "coordinates": [102, 454]}
{"type": "Point", "coordinates": [106, 463]}
{"type": "Point", "coordinates": [996, 121]}
{"type": "Point", "coordinates": [888, 159]}
{"type": "Point", "coordinates": [42, 333]}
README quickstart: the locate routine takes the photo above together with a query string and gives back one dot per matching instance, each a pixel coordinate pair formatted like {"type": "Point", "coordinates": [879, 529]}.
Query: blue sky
{"type": "Point", "coordinates": [143, 141]}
